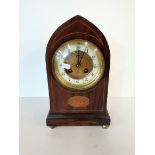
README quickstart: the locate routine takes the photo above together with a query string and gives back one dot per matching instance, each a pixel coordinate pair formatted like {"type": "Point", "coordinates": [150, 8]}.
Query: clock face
{"type": "Point", "coordinates": [78, 64]}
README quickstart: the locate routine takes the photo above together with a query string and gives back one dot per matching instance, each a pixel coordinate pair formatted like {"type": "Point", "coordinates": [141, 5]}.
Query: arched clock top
{"type": "Point", "coordinates": [77, 24]}
{"type": "Point", "coordinates": [77, 28]}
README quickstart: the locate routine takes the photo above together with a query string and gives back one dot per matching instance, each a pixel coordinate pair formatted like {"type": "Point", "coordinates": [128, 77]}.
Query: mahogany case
{"type": "Point", "coordinates": [61, 113]}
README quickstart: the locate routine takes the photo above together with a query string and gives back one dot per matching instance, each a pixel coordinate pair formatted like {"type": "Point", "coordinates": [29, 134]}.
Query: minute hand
{"type": "Point", "coordinates": [78, 60]}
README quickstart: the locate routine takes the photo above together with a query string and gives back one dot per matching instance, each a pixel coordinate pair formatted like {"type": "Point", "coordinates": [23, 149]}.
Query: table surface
{"type": "Point", "coordinates": [38, 139]}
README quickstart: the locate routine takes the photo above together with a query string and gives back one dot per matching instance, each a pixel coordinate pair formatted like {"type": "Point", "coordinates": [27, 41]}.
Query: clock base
{"type": "Point", "coordinates": [78, 119]}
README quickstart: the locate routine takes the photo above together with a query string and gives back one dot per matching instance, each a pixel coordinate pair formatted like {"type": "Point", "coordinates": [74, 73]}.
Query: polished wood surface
{"type": "Point", "coordinates": [77, 119]}
{"type": "Point", "coordinates": [95, 113]}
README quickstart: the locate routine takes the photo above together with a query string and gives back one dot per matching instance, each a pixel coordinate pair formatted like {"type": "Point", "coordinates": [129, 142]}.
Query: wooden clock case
{"type": "Point", "coordinates": [60, 112]}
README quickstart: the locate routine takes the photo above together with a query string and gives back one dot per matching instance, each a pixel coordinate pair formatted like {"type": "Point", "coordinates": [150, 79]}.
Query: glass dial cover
{"type": "Point", "coordinates": [78, 64]}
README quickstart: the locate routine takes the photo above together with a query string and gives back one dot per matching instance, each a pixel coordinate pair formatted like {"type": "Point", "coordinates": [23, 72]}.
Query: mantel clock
{"type": "Point", "coordinates": [78, 62]}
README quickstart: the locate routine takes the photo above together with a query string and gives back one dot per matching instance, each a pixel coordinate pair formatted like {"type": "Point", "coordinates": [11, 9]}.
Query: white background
{"type": "Point", "coordinates": [145, 100]}
{"type": "Point", "coordinates": [40, 18]}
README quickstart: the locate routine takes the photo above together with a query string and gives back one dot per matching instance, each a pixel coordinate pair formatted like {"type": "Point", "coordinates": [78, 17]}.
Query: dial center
{"type": "Point", "coordinates": [79, 70]}
{"type": "Point", "coordinates": [78, 65]}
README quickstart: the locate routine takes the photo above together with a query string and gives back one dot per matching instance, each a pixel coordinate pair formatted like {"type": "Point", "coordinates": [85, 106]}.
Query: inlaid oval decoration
{"type": "Point", "coordinates": [78, 101]}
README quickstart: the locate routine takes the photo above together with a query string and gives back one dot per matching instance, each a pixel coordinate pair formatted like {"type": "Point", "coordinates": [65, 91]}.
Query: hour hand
{"type": "Point", "coordinates": [82, 56]}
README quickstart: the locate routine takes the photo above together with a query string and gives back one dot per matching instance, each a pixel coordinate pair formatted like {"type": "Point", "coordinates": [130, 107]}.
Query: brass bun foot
{"type": "Point", "coordinates": [52, 127]}
{"type": "Point", "coordinates": [105, 126]}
